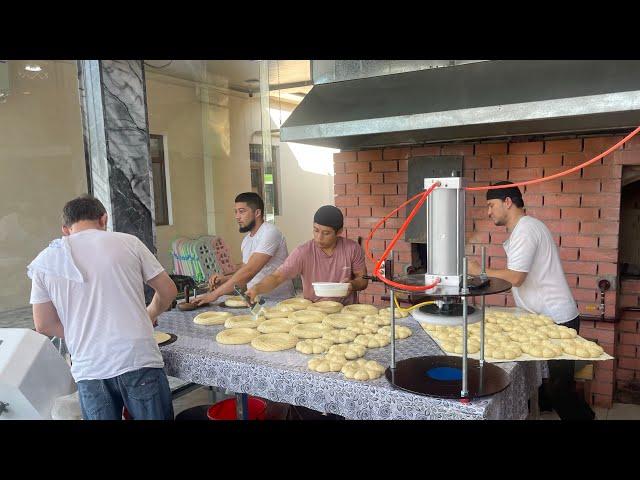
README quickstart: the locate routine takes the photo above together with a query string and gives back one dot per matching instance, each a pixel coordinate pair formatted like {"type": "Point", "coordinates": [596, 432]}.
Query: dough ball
{"type": "Point", "coordinates": [363, 328]}
{"type": "Point", "coordinates": [313, 346]}
{"type": "Point", "coordinates": [340, 336]}
{"type": "Point", "coordinates": [322, 364]}
{"type": "Point", "coordinates": [350, 351]}
{"type": "Point", "coordinates": [374, 340]}
{"type": "Point", "coordinates": [401, 331]}
{"type": "Point", "coordinates": [362, 369]}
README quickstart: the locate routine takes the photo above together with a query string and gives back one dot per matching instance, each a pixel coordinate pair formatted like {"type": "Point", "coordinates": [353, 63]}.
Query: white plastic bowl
{"type": "Point", "coordinates": [330, 289]}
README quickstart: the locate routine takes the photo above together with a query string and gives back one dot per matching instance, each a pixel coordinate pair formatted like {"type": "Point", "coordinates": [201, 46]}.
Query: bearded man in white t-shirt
{"type": "Point", "coordinates": [539, 286]}
{"type": "Point", "coordinates": [264, 249]}
{"type": "Point", "coordinates": [88, 288]}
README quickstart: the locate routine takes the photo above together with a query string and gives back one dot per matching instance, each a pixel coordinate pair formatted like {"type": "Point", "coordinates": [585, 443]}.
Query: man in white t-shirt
{"type": "Point", "coordinates": [539, 286]}
{"type": "Point", "coordinates": [88, 288]}
{"type": "Point", "coordinates": [264, 249]}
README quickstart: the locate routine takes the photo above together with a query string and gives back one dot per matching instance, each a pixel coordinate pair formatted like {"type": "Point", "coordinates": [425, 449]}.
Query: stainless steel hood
{"type": "Point", "coordinates": [482, 100]}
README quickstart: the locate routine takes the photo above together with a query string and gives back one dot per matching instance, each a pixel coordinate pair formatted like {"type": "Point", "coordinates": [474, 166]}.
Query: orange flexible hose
{"type": "Point", "coordinates": [423, 197]}
{"type": "Point", "coordinates": [559, 174]}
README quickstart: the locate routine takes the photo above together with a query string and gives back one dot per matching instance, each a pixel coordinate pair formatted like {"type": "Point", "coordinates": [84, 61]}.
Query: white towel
{"type": "Point", "coordinates": [56, 260]}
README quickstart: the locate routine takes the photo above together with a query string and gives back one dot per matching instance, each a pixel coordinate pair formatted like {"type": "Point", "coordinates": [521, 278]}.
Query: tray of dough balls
{"type": "Point", "coordinates": [328, 336]}
{"type": "Point", "coordinates": [515, 336]}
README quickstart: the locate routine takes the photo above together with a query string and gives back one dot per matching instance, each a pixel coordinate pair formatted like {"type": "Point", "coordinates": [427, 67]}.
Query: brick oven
{"type": "Point", "coordinates": [498, 141]}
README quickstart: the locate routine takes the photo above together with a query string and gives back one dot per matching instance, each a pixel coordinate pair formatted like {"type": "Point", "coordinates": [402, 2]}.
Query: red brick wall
{"type": "Point", "coordinates": [582, 210]}
{"type": "Point", "coordinates": [628, 339]}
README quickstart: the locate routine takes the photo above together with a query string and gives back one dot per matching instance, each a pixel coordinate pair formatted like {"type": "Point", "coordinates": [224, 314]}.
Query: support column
{"type": "Point", "coordinates": [116, 137]}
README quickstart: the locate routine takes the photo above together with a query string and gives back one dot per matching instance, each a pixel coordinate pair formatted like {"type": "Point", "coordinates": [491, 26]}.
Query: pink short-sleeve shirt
{"type": "Point", "coordinates": [313, 265]}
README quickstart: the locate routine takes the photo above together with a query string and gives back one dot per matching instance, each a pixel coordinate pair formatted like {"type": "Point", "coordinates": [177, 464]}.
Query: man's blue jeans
{"type": "Point", "coordinates": [145, 393]}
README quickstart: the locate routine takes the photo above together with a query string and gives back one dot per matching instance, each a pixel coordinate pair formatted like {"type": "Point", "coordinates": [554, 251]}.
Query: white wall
{"type": "Point", "coordinates": [175, 112]}
{"type": "Point", "coordinates": [42, 166]}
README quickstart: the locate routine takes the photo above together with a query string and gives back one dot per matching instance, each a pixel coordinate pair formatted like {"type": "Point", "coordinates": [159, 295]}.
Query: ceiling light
{"type": "Point", "coordinates": [33, 68]}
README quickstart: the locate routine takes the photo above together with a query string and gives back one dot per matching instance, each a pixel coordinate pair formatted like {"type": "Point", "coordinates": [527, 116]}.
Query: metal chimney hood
{"type": "Point", "coordinates": [482, 100]}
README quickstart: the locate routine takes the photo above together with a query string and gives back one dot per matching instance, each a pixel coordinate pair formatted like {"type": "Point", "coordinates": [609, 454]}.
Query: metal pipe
{"type": "Point", "coordinates": [482, 305]}
{"type": "Point", "coordinates": [465, 391]}
{"type": "Point", "coordinates": [393, 329]}
{"type": "Point", "coordinates": [392, 297]}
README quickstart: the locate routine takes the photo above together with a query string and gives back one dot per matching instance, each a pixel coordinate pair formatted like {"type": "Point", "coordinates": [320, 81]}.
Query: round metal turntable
{"type": "Point", "coordinates": [450, 315]}
{"type": "Point", "coordinates": [494, 285]}
{"type": "Point", "coordinates": [448, 376]}
{"type": "Point", "coordinates": [440, 376]}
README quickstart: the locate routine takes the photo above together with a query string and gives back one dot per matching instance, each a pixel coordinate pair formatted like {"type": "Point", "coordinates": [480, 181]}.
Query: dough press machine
{"type": "Point", "coordinates": [441, 375]}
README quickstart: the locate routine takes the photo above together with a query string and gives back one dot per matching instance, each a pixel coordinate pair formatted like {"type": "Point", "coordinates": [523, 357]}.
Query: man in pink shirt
{"type": "Point", "coordinates": [327, 258]}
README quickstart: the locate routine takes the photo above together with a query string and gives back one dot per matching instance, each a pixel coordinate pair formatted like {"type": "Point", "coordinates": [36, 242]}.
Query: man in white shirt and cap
{"type": "Point", "coordinates": [88, 288]}
{"type": "Point", "coordinates": [539, 286]}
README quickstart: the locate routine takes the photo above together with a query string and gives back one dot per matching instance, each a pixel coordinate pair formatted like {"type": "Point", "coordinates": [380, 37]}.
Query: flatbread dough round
{"type": "Point", "coordinates": [326, 306]}
{"type": "Point", "coordinates": [386, 312]}
{"type": "Point", "coordinates": [235, 301]}
{"type": "Point", "coordinates": [351, 351]}
{"type": "Point", "coordinates": [313, 346]}
{"type": "Point", "coordinates": [401, 331]}
{"type": "Point", "coordinates": [360, 309]}
{"type": "Point", "coordinates": [297, 303]}
{"type": "Point", "coordinates": [277, 325]}
{"type": "Point", "coordinates": [307, 316]}
{"type": "Point", "coordinates": [310, 330]}
{"type": "Point", "coordinates": [212, 318]}
{"type": "Point", "coordinates": [341, 320]}
{"type": "Point", "coordinates": [362, 369]}
{"type": "Point", "coordinates": [274, 342]}
{"type": "Point", "coordinates": [243, 321]}
{"type": "Point", "coordinates": [161, 337]}
{"type": "Point", "coordinates": [279, 311]}
{"type": "Point", "coordinates": [236, 336]}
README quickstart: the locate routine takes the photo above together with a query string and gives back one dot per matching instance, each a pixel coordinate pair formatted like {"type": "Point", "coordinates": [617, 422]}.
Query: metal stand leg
{"type": "Point", "coordinates": [393, 328]}
{"type": "Point", "coordinates": [242, 406]}
{"type": "Point", "coordinates": [464, 393]}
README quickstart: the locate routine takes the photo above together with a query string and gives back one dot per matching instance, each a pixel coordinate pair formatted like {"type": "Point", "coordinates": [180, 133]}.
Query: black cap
{"type": "Point", "coordinates": [329, 216]}
{"type": "Point", "coordinates": [502, 193]}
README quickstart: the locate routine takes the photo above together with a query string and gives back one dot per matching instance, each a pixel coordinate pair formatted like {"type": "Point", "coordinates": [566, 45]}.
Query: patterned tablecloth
{"type": "Point", "coordinates": [284, 377]}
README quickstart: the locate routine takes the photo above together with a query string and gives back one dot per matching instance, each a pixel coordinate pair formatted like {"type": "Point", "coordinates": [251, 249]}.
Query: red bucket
{"type": "Point", "coordinates": [226, 409]}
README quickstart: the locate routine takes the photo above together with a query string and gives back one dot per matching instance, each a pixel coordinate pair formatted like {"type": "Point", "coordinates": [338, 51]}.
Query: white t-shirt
{"type": "Point", "coordinates": [530, 248]}
{"type": "Point", "coordinates": [270, 241]}
{"type": "Point", "coordinates": [106, 326]}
